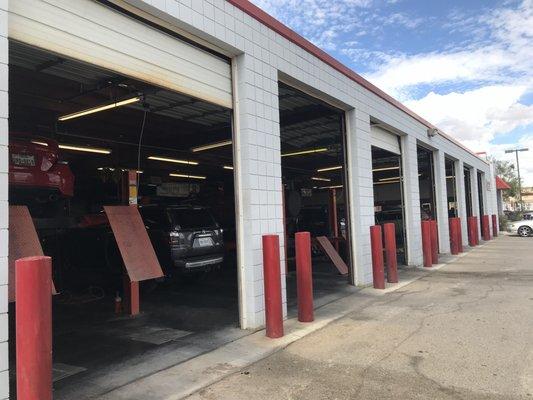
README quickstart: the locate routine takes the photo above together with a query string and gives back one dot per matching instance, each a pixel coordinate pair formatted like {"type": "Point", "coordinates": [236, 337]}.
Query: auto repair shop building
{"type": "Point", "coordinates": [300, 138]}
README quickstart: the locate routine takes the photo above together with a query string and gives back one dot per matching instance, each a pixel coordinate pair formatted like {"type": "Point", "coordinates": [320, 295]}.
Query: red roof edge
{"type": "Point", "coordinates": [271, 22]}
{"type": "Point", "coordinates": [501, 184]}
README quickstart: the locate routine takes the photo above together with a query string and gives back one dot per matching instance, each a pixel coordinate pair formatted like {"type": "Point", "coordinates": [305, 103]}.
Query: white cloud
{"type": "Point", "coordinates": [506, 56]}
{"type": "Point", "coordinates": [476, 115]}
{"type": "Point", "coordinates": [525, 158]}
{"type": "Point", "coordinates": [324, 22]}
{"type": "Point", "coordinates": [494, 71]}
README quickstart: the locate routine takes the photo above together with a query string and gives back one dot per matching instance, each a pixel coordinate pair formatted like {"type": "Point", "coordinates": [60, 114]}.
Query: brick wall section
{"type": "Point", "coordinates": [260, 56]}
{"type": "Point", "coordinates": [441, 201]}
{"type": "Point", "coordinates": [4, 359]}
{"type": "Point", "coordinates": [461, 196]}
{"type": "Point", "coordinates": [411, 190]}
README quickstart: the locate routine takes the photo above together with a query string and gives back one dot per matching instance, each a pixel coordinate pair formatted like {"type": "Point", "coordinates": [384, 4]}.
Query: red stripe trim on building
{"type": "Point", "coordinates": [269, 21]}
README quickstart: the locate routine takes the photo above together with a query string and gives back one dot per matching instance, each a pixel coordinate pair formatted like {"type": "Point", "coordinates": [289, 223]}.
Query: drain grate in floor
{"type": "Point", "coordinates": [62, 371]}
{"type": "Point", "coordinates": [156, 335]}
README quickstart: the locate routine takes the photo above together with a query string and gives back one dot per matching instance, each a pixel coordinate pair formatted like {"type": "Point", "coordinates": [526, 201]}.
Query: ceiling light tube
{"type": "Point", "coordinates": [187, 176]}
{"type": "Point", "coordinates": [385, 169]}
{"type": "Point", "coordinates": [329, 168]}
{"type": "Point", "coordinates": [331, 187]}
{"type": "Point", "coordinates": [300, 153]}
{"type": "Point", "coordinates": [99, 108]}
{"type": "Point", "coordinates": [386, 183]}
{"type": "Point", "coordinates": [228, 167]}
{"type": "Point", "coordinates": [172, 160]}
{"type": "Point", "coordinates": [39, 143]}
{"type": "Point", "coordinates": [390, 179]}
{"type": "Point", "coordinates": [317, 178]}
{"type": "Point", "coordinates": [211, 146]}
{"type": "Point", "coordinates": [84, 149]}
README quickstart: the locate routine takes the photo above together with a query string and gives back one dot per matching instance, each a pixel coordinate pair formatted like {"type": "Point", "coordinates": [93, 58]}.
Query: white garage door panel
{"type": "Point", "coordinates": [91, 32]}
{"type": "Point", "coordinates": [385, 140]}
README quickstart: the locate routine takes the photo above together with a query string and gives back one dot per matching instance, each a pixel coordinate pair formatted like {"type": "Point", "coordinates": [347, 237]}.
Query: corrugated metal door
{"type": "Point", "coordinates": [88, 31]}
{"type": "Point", "coordinates": [384, 140]}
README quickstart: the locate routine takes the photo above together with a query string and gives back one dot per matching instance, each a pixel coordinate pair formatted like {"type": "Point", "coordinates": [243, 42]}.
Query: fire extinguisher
{"type": "Point", "coordinates": [118, 304]}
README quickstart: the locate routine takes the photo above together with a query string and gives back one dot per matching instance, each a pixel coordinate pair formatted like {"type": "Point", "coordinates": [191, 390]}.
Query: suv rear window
{"type": "Point", "coordinates": [155, 216]}
{"type": "Point", "coordinates": [192, 218]}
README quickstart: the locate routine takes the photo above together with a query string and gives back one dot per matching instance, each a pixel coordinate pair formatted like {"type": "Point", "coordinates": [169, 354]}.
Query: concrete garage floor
{"type": "Point", "coordinates": [96, 352]}
{"type": "Point", "coordinates": [462, 332]}
{"type": "Point", "coordinates": [178, 321]}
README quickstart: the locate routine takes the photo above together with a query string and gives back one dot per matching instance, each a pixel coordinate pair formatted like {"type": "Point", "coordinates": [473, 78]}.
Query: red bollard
{"type": "Point", "coordinates": [495, 227]}
{"type": "Point", "coordinates": [377, 257]}
{"type": "Point", "coordinates": [434, 242]}
{"type": "Point", "coordinates": [476, 230]}
{"type": "Point", "coordinates": [459, 235]}
{"type": "Point", "coordinates": [33, 280]}
{"type": "Point", "coordinates": [454, 237]}
{"type": "Point", "coordinates": [389, 235]}
{"type": "Point", "coordinates": [485, 227]}
{"type": "Point", "coordinates": [304, 277]}
{"type": "Point", "coordinates": [272, 282]}
{"type": "Point", "coordinates": [426, 243]}
{"type": "Point", "coordinates": [471, 231]}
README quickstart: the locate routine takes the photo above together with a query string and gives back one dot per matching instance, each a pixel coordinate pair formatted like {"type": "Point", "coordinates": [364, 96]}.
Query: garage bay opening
{"type": "Point", "coordinates": [388, 194]}
{"type": "Point", "coordinates": [85, 141]}
{"type": "Point", "coordinates": [313, 170]}
{"type": "Point", "coordinates": [451, 188]}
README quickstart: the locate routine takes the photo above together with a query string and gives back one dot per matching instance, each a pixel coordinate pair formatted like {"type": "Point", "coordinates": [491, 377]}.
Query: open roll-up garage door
{"type": "Point", "coordinates": [385, 140]}
{"type": "Point", "coordinates": [88, 31]}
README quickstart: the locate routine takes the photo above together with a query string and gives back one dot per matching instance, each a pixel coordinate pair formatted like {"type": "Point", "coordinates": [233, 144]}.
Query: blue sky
{"type": "Point", "coordinates": [465, 65]}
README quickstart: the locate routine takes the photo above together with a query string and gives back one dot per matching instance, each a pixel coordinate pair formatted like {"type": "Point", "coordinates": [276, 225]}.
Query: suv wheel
{"type": "Point", "coordinates": [524, 231]}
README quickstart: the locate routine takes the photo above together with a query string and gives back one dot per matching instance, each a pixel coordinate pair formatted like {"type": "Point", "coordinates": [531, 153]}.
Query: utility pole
{"type": "Point", "coordinates": [518, 172]}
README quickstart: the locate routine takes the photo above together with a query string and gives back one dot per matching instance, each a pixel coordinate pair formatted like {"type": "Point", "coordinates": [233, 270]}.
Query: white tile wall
{"type": "Point", "coordinates": [461, 196]}
{"type": "Point", "coordinates": [441, 201]}
{"type": "Point", "coordinates": [259, 56]}
{"type": "Point", "coordinates": [412, 200]}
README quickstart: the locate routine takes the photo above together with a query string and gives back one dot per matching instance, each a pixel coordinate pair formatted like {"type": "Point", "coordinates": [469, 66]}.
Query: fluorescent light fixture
{"type": "Point", "coordinates": [39, 143]}
{"type": "Point", "coordinates": [228, 167]}
{"type": "Point", "coordinates": [301, 153]}
{"type": "Point", "coordinates": [386, 182]}
{"type": "Point", "coordinates": [172, 160]}
{"type": "Point", "coordinates": [99, 108]}
{"type": "Point", "coordinates": [317, 178]}
{"type": "Point", "coordinates": [105, 169]}
{"type": "Point", "coordinates": [394, 178]}
{"type": "Point", "coordinates": [211, 146]}
{"type": "Point", "coordinates": [331, 187]}
{"type": "Point", "coordinates": [84, 149]}
{"type": "Point", "coordinates": [329, 168]}
{"type": "Point", "coordinates": [385, 169]}
{"type": "Point", "coordinates": [187, 176]}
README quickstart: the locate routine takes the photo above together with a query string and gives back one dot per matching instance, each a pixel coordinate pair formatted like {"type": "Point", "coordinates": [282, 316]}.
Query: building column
{"type": "Point", "coordinates": [475, 198]}
{"type": "Point", "coordinates": [461, 199]}
{"type": "Point", "coordinates": [360, 194]}
{"type": "Point", "coordinates": [411, 191]}
{"type": "Point", "coordinates": [441, 201]}
{"type": "Point", "coordinates": [258, 185]}
{"type": "Point", "coordinates": [4, 223]}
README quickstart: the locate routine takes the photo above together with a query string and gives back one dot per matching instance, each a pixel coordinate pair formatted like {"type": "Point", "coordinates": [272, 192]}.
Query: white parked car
{"type": "Point", "coordinates": [522, 228]}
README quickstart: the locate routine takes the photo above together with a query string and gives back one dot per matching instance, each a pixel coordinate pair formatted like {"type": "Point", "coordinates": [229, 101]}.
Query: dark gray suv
{"type": "Point", "coordinates": [186, 239]}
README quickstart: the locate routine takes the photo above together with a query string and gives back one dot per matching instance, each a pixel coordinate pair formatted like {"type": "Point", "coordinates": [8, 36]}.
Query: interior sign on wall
{"type": "Point", "coordinates": [306, 192]}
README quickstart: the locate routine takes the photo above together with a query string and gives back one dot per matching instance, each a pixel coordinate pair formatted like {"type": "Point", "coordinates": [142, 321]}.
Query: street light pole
{"type": "Point", "coordinates": [518, 172]}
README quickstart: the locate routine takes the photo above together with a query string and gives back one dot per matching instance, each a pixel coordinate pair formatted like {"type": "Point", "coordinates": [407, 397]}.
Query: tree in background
{"type": "Point", "coordinates": [507, 171]}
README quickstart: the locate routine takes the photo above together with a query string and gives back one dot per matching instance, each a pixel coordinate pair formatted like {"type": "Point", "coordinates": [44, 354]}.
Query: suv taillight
{"type": "Point", "coordinates": [176, 238]}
